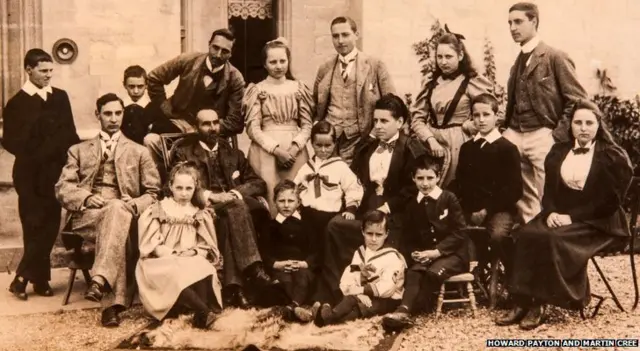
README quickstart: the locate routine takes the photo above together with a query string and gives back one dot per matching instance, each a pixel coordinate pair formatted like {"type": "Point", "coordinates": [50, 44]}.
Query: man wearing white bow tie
{"type": "Point", "coordinates": [347, 86]}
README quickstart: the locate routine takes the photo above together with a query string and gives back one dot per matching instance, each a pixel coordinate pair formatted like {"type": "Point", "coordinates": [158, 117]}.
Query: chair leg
{"type": "Point", "coordinates": [472, 298]}
{"type": "Point", "coordinates": [87, 276]}
{"type": "Point", "coordinates": [493, 285]}
{"type": "Point", "coordinates": [635, 276]}
{"type": "Point", "coordinates": [440, 300]}
{"type": "Point", "coordinates": [72, 278]}
{"type": "Point", "coordinates": [606, 283]}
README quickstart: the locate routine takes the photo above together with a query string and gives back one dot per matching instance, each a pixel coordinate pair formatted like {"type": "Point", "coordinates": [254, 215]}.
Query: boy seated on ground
{"type": "Point", "coordinates": [372, 284]}
{"type": "Point", "coordinates": [433, 239]}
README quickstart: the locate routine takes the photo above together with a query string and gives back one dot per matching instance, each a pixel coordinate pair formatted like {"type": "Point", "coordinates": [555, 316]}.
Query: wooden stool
{"type": "Point", "coordinates": [467, 278]}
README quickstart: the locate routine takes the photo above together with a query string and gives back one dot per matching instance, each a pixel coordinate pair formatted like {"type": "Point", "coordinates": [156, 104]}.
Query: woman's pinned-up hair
{"type": "Point", "coordinates": [279, 43]}
{"type": "Point", "coordinates": [603, 134]}
{"type": "Point", "coordinates": [456, 41]}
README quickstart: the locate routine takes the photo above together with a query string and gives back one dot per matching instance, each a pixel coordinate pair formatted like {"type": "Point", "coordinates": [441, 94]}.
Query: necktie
{"type": "Point", "coordinates": [580, 150]}
{"type": "Point", "coordinates": [344, 65]}
{"type": "Point", "coordinates": [480, 142]}
{"type": "Point", "coordinates": [108, 143]}
{"type": "Point", "coordinates": [382, 147]}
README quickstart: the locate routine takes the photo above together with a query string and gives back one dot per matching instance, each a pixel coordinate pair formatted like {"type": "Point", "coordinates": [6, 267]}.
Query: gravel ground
{"type": "Point", "coordinates": [455, 330]}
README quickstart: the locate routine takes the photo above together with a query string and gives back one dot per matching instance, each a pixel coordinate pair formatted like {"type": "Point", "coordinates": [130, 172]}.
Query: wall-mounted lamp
{"type": "Point", "coordinates": [65, 51]}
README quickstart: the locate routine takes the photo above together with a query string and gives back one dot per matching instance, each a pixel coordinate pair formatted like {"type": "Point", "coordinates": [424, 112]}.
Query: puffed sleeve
{"type": "Point", "coordinates": [252, 110]}
{"type": "Point", "coordinates": [420, 113]}
{"type": "Point", "coordinates": [305, 110]}
{"type": "Point", "coordinates": [479, 85]}
{"type": "Point", "coordinates": [150, 239]}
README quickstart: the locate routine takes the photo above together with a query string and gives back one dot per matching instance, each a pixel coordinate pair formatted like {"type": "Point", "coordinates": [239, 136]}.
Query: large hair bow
{"type": "Point", "coordinates": [458, 36]}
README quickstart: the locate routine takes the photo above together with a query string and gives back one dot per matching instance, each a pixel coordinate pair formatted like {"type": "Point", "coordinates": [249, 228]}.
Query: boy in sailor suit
{"type": "Point", "coordinates": [432, 238]}
{"type": "Point", "coordinates": [373, 283]}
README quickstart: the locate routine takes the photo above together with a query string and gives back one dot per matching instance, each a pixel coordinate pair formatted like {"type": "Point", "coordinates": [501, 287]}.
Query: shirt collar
{"type": "Point", "coordinates": [490, 138]}
{"type": "Point", "coordinates": [350, 56]}
{"type": "Point", "coordinates": [281, 218]}
{"type": "Point", "coordinates": [434, 194]}
{"type": "Point", "coordinates": [393, 138]}
{"type": "Point", "coordinates": [142, 102]}
{"type": "Point", "coordinates": [206, 147]}
{"type": "Point", "coordinates": [105, 136]}
{"type": "Point", "coordinates": [210, 66]}
{"type": "Point", "coordinates": [32, 89]}
{"type": "Point", "coordinates": [530, 45]}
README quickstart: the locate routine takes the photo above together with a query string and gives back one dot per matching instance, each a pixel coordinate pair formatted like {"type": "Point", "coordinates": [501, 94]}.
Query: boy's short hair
{"type": "Point", "coordinates": [283, 185]}
{"type": "Point", "coordinates": [34, 56]}
{"type": "Point", "coordinates": [134, 71]}
{"type": "Point", "coordinates": [345, 19]}
{"type": "Point", "coordinates": [323, 127]}
{"type": "Point", "coordinates": [224, 32]}
{"type": "Point", "coordinates": [374, 217]}
{"type": "Point", "coordinates": [426, 162]}
{"type": "Point", "coordinates": [487, 99]}
{"type": "Point", "coordinates": [107, 98]}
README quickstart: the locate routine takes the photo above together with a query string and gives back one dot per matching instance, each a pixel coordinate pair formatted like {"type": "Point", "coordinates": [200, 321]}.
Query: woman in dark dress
{"type": "Point", "coordinates": [586, 181]}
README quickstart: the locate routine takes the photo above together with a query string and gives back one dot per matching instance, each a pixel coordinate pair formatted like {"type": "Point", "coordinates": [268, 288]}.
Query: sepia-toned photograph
{"type": "Point", "coordinates": [322, 175]}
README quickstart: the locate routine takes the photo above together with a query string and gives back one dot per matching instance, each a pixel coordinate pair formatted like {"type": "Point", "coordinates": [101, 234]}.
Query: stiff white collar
{"type": "Point", "coordinates": [350, 56]}
{"type": "Point", "coordinates": [210, 66]}
{"type": "Point", "coordinates": [105, 136]}
{"type": "Point", "coordinates": [493, 135]}
{"type": "Point", "coordinates": [142, 102]}
{"type": "Point", "coordinates": [206, 147]}
{"type": "Point", "coordinates": [530, 45]}
{"type": "Point", "coordinates": [434, 194]}
{"type": "Point", "coordinates": [393, 138]}
{"type": "Point", "coordinates": [32, 89]}
{"type": "Point", "coordinates": [280, 218]}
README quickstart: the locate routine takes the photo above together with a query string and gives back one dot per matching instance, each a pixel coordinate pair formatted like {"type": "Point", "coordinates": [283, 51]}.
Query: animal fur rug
{"type": "Point", "coordinates": [236, 329]}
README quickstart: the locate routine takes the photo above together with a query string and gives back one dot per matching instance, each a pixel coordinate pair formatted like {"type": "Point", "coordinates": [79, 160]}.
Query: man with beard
{"type": "Point", "coordinates": [207, 80]}
{"type": "Point", "coordinates": [231, 187]}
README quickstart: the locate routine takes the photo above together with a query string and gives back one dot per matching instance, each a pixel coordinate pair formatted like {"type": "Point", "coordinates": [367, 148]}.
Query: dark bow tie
{"type": "Point", "coordinates": [427, 200]}
{"type": "Point", "coordinates": [214, 75]}
{"type": "Point", "coordinates": [382, 147]}
{"type": "Point", "coordinates": [317, 179]}
{"type": "Point", "coordinates": [580, 150]}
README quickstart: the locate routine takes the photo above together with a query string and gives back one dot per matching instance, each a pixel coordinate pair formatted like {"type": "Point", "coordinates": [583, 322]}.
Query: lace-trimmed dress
{"type": "Point", "coordinates": [277, 116]}
{"type": "Point", "coordinates": [168, 226]}
{"type": "Point", "coordinates": [442, 110]}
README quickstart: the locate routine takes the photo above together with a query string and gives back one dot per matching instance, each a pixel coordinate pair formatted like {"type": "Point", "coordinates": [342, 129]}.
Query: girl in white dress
{"type": "Point", "coordinates": [179, 254]}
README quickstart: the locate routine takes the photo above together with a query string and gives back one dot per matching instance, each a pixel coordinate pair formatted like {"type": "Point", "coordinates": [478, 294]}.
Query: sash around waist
{"type": "Point", "coordinates": [280, 127]}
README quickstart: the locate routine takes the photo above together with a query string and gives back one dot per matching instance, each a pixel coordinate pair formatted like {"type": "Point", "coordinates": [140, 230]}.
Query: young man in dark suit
{"type": "Point", "coordinates": [38, 129]}
{"type": "Point", "coordinates": [231, 187]}
{"type": "Point", "coordinates": [542, 88]}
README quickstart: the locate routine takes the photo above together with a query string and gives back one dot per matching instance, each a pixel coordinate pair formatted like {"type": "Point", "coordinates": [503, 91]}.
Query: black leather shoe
{"type": "Point", "coordinates": [323, 316]}
{"type": "Point", "coordinates": [533, 319]}
{"type": "Point", "coordinates": [514, 316]}
{"type": "Point", "coordinates": [43, 289]}
{"type": "Point", "coordinates": [94, 292]}
{"type": "Point", "coordinates": [203, 319]}
{"type": "Point", "coordinates": [240, 300]}
{"type": "Point", "coordinates": [110, 317]}
{"type": "Point", "coordinates": [19, 288]}
{"type": "Point", "coordinates": [397, 320]}
{"type": "Point", "coordinates": [260, 278]}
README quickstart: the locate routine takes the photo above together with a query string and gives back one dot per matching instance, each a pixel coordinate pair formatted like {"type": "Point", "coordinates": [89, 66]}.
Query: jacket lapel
{"type": "Point", "coordinates": [225, 78]}
{"type": "Point", "coordinates": [536, 55]}
{"type": "Point", "coordinates": [121, 146]}
{"type": "Point", "coordinates": [95, 148]}
{"type": "Point", "coordinates": [227, 162]}
{"type": "Point", "coordinates": [395, 166]}
{"type": "Point", "coordinates": [362, 71]}
{"type": "Point", "coordinates": [323, 88]}
{"type": "Point", "coordinates": [596, 167]}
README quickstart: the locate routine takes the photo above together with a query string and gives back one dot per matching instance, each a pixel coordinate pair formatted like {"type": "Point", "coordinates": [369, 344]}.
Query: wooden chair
{"type": "Point", "coordinates": [79, 257]}
{"type": "Point", "coordinates": [620, 247]}
{"type": "Point", "coordinates": [465, 278]}
{"type": "Point", "coordinates": [489, 271]}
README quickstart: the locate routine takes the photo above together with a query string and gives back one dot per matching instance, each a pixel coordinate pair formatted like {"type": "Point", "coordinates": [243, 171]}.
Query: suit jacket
{"type": "Point", "coordinates": [604, 190]}
{"type": "Point", "coordinates": [552, 85]}
{"type": "Point", "coordinates": [237, 171]}
{"type": "Point", "coordinates": [38, 134]}
{"type": "Point", "coordinates": [372, 81]}
{"type": "Point", "coordinates": [398, 186]}
{"type": "Point", "coordinates": [136, 173]}
{"type": "Point", "coordinates": [189, 68]}
{"type": "Point", "coordinates": [438, 225]}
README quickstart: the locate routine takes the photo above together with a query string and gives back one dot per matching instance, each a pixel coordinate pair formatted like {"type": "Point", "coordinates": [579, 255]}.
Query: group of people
{"type": "Point", "coordinates": [370, 224]}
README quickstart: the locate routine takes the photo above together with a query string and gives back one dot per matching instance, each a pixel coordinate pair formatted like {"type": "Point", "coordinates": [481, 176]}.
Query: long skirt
{"type": "Point", "coordinates": [265, 165]}
{"type": "Point", "coordinates": [550, 264]}
{"type": "Point", "coordinates": [452, 139]}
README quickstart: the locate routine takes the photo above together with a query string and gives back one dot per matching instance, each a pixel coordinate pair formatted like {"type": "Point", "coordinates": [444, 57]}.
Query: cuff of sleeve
{"type": "Point", "coordinates": [369, 290]}
{"type": "Point", "coordinates": [236, 193]}
{"type": "Point", "coordinates": [351, 209]}
{"type": "Point", "coordinates": [300, 141]}
{"type": "Point", "coordinates": [270, 147]}
{"type": "Point", "coordinates": [207, 194]}
{"type": "Point", "coordinates": [358, 290]}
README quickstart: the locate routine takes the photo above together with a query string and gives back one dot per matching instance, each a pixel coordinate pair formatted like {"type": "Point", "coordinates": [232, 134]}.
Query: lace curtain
{"type": "Point", "coordinates": [250, 8]}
